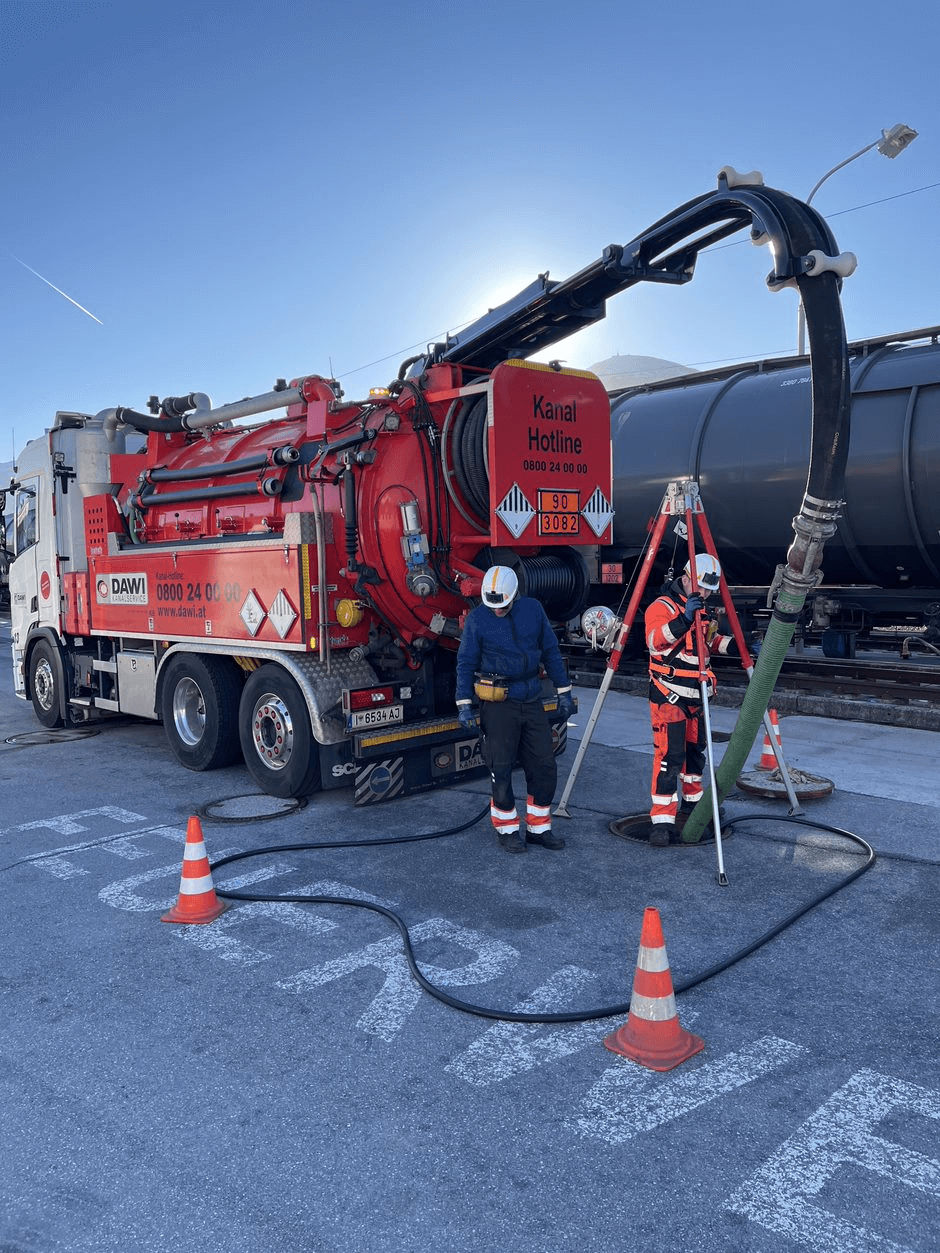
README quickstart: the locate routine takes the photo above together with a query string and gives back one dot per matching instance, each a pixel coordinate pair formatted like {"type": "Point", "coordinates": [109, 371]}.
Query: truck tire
{"type": "Point", "coordinates": [277, 740]}
{"type": "Point", "coordinates": [199, 707]}
{"type": "Point", "coordinates": [44, 672]}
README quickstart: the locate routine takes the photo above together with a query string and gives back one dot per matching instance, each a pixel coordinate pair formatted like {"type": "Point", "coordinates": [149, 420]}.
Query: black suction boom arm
{"type": "Point", "coordinates": [545, 312]}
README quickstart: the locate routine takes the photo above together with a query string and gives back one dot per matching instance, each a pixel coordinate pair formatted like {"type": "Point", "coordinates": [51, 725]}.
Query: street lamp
{"type": "Point", "coordinates": [891, 143]}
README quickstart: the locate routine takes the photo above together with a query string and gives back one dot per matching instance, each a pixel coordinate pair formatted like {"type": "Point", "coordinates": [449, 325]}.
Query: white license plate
{"type": "Point", "coordinates": [381, 716]}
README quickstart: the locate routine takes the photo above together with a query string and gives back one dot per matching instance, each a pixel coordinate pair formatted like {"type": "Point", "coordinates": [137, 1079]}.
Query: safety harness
{"type": "Point", "coordinates": [664, 666]}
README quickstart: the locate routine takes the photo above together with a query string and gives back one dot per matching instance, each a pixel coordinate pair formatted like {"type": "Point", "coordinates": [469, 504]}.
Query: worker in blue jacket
{"type": "Point", "coordinates": [504, 641]}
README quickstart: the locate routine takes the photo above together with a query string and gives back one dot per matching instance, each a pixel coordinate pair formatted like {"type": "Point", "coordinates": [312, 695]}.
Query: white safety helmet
{"type": "Point", "coordinates": [499, 587]}
{"type": "Point", "coordinates": [707, 572]}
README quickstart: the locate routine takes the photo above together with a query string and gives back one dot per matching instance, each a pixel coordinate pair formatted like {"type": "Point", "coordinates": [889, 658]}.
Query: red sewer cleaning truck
{"type": "Point", "coordinates": [292, 590]}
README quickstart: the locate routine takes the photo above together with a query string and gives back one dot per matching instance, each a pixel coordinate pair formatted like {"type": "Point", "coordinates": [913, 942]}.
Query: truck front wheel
{"type": "Point", "coordinates": [278, 745]}
{"type": "Point", "coordinates": [44, 672]}
{"type": "Point", "coordinates": [199, 707]}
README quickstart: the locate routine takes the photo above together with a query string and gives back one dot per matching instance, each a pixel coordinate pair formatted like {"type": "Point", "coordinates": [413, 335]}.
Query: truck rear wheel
{"type": "Point", "coordinates": [278, 745]}
{"type": "Point", "coordinates": [199, 706]}
{"type": "Point", "coordinates": [44, 671]}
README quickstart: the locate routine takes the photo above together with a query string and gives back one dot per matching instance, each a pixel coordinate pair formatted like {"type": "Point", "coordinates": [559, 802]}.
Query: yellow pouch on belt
{"type": "Point", "coordinates": [490, 687]}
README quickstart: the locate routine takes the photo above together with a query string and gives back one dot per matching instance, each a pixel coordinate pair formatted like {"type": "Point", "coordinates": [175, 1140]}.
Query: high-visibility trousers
{"type": "Point", "coordinates": [678, 757]}
{"type": "Point", "coordinates": [518, 730]}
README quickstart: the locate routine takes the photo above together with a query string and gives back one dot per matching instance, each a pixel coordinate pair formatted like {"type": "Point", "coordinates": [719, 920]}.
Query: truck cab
{"type": "Point", "coordinates": [54, 474]}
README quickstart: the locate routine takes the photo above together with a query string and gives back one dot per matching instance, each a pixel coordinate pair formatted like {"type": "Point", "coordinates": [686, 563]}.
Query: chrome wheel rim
{"type": "Point", "coordinates": [272, 731]}
{"type": "Point", "coordinates": [189, 712]}
{"type": "Point", "coordinates": [44, 684]}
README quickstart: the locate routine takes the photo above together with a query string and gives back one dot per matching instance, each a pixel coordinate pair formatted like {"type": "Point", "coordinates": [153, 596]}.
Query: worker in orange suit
{"type": "Point", "coordinates": [675, 694]}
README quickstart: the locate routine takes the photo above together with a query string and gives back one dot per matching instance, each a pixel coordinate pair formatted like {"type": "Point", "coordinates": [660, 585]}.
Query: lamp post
{"type": "Point", "coordinates": [891, 143]}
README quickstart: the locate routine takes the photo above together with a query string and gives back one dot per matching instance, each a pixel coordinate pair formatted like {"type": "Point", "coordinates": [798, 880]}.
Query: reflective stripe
{"type": "Point", "coordinates": [194, 852]}
{"type": "Point", "coordinates": [505, 821]}
{"type": "Point", "coordinates": [194, 887]}
{"type": "Point", "coordinates": [652, 959]}
{"type": "Point", "coordinates": [653, 1008]}
{"type": "Point", "coordinates": [538, 818]}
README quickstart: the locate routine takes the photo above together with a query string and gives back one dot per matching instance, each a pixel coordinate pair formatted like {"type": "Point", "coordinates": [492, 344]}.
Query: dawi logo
{"type": "Point", "coordinates": [122, 589]}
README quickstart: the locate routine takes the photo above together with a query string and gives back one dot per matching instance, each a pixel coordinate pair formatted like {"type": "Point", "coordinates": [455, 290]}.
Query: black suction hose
{"type": "Point", "coordinates": [510, 1015]}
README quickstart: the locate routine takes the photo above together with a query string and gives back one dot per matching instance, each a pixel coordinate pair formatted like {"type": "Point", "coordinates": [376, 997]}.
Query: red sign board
{"type": "Point", "coordinates": [549, 456]}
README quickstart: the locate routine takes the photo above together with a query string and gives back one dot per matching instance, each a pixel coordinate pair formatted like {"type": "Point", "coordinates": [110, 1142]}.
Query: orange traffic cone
{"type": "Point", "coordinates": [767, 759]}
{"type": "Point", "coordinates": [197, 901]}
{"type": "Point", "coordinates": [652, 1035]}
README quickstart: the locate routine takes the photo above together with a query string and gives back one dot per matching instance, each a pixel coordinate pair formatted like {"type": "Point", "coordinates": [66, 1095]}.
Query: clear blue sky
{"type": "Point", "coordinates": [243, 191]}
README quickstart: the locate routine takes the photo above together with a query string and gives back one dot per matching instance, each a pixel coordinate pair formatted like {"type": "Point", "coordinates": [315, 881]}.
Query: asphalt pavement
{"type": "Point", "coordinates": [276, 1080]}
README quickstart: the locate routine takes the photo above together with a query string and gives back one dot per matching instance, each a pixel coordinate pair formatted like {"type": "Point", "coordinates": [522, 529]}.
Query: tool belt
{"type": "Point", "coordinates": [491, 687]}
{"type": "Point", "coordinates": [496, 686]}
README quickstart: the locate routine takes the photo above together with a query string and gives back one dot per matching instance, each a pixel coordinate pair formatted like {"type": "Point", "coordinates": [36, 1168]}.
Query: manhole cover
{"type": "Point", "coordinates": [255, 807]}
{"type": "Point", "coordinates": [638, 828]}
{"type": "Point", "coordinates": [770, 784]}
{"type": "Point", "coordinates": [52, 736]}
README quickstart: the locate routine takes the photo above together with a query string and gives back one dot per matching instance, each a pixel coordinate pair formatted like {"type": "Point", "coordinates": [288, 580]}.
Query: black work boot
{"type": "Point", "coordinates": [545, 838]}
{"type": "Point", "coordinates": [661, 834]}
{"type": "Point", "coordinates": [511, 841]}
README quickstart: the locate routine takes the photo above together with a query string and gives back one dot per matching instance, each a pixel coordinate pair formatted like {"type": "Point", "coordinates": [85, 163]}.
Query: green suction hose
{"type": "Point", "coordinates": [815, 523]}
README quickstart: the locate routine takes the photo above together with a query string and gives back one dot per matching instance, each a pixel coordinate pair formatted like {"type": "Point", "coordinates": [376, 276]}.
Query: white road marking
{"type": "Point", "coordinates": [840, 1134]}
{"type": "Point", "coordinates": [510, 1048]}
{"type": "Point", "coordinates": [628, 1099]}
{"type": "Point", "coordinates": [214, 938]}
{"type": "Point", "coordinates": [400, 993]}
{"type": "Point", "coordinates": [122, 894]}
{"type": "Point", "coordinates": [70, 824]}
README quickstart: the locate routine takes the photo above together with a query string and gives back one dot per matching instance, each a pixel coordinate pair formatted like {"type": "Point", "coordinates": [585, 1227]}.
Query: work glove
{"type": "Point", "coordinates": [565, 705]}
{"type": "Point", "coordinates": [693, 604]}
{"type": "Point", "coordinates": [467, 718]}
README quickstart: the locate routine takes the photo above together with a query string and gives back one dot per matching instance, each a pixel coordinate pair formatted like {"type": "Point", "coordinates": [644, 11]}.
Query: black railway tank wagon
{"type": "Point", "coordinates": [744, 435]}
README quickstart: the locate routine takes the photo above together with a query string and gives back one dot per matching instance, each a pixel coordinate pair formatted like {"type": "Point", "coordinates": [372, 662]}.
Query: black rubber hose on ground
{"type": "Point", "coordinates": [509, 1015]}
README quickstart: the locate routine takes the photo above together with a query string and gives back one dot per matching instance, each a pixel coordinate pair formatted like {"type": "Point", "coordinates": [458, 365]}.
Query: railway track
{"type": "Point", "coordinates": [874, 687]}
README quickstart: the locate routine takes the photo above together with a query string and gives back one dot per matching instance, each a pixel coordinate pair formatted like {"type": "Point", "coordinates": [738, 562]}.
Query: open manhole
{"type": "Point", "coordinates": [638, 828]}
{"type": "Point", "coordinates": [254, 807]}
{"type": "Point", "coordinates": [52, 735]}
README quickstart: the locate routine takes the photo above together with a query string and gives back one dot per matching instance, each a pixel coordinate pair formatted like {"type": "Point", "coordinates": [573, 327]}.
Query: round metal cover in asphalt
{"type": "Point", "coordinates": [254, 807]}
{"type": "Point", "coordinates": [52, 736]}
{"type": "Point", "coordinates": [638, 828]}
{"type": "Point", "coordinates": [770, 784]}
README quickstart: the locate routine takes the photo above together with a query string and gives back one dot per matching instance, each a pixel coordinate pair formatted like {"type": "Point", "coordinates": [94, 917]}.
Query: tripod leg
{"type": "Point", "coordinates": [561, 808]}
{"type": "Point", "coordinates": [782, 766]}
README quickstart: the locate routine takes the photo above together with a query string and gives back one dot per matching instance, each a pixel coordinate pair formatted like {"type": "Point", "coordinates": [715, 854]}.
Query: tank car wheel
{"type": "Point", "coordinates": [44, 684]}
{"type": "Point", "coordinates": [277, 740]}
{"type": "Point", "coordinates": [199, 706]}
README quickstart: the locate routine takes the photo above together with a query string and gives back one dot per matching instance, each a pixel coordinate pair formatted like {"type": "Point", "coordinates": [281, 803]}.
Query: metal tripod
{"type": "Point", "coordinates": [682, 498]}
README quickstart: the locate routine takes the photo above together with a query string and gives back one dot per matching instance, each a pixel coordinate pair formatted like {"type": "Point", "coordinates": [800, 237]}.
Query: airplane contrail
{"type": "Point", "coordinates": [58, 289]}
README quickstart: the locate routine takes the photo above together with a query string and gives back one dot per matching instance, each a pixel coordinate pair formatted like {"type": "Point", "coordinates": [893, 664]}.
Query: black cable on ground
{"type": "Point", "coordinates": [510, 1015]}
